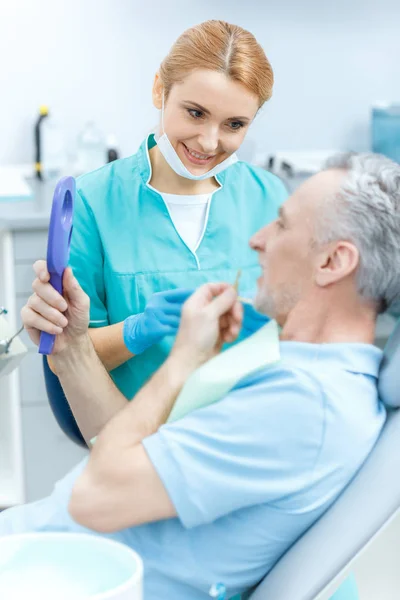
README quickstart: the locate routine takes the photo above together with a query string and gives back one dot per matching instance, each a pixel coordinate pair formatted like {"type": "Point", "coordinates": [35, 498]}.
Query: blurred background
{"type": "Point", "coordinates": [94, 60]}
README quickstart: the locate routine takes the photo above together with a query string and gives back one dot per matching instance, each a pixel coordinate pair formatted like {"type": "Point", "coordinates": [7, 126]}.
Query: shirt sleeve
{"type": "Point", "coordinates": [255, 446]}
{"type": "Point", "coordinates": [87, 260]}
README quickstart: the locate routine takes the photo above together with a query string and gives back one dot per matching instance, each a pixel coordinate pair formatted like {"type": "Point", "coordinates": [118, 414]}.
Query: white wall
{"type": "Point", "coordinates": [96, 58]}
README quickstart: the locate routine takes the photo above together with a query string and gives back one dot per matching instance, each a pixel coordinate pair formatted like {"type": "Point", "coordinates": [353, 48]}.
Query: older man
{"type": "Point", "coordinates": [222, 493]}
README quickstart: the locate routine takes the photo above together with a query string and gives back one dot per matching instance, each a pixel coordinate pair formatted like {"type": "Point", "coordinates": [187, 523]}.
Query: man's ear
{"type": "Point", "coordinates": [336, 262]}
{"type": "Point", "coordinates": [157, 93]}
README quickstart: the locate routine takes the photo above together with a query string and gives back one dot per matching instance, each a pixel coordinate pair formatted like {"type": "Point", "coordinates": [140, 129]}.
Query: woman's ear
{"type": "Point", "coordinates": [336, 262]}
{"type": "Point", "coordinates": [157, 93]}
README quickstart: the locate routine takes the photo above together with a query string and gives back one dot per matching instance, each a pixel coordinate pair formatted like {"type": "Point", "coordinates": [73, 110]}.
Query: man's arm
{"type": "Point", "coordinates": [120, 487]}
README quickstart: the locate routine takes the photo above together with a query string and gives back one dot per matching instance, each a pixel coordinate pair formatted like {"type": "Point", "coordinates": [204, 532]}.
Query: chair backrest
{"type": "Point", "coordinates": [60, 407]}
{"type": "Point", "coordinates": [389, 388]}
{"type": "Point", "coordinates": [368, 502]}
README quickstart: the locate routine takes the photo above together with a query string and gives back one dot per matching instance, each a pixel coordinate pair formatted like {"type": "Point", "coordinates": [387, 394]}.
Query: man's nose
{"type": "Point", "coordinates": [257, 241]}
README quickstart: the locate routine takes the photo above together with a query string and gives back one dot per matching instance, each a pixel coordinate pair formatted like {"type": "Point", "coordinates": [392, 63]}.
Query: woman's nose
{"type": "Point", "coordinates": [209, 140]}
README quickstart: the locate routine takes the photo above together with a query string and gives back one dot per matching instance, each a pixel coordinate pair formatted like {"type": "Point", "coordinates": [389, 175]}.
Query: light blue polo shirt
{"type": "Point", "coordinates": [247, 475]}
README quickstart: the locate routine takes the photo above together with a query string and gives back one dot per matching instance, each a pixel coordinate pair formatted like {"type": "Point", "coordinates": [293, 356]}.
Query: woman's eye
{"type": "Point", "coordinates": [280, 223]}
{"type": "Point", "coordinates": [196, 114]}
{"type": "Point", "coordinates": [235, 125]}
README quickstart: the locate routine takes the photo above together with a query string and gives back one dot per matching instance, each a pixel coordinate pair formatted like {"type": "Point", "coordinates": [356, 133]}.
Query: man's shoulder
{"type": "Point", "coordinates": [282, 375]}
{"type": "Point", "coordinates": [282, 388]}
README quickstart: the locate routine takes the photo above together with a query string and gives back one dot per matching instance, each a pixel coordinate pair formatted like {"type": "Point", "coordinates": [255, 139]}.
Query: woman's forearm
{"type": "Point", "coordinates": [109, 345]}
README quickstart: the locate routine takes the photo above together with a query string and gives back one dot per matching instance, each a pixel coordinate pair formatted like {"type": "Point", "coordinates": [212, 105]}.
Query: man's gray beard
{"type": "Point", "coordinates": [279, 303]}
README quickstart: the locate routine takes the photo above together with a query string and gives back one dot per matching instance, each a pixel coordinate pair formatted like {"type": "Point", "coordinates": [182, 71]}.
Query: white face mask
{"type": "Point", "coordinates": [172, 158]}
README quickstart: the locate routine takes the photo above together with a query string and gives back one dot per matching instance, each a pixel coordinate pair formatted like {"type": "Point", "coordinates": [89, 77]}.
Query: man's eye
{"type": "Point", "coordinates": [196, 114]}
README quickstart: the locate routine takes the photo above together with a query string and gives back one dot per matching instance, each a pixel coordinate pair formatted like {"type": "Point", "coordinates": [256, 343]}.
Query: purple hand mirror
{"type": "Point", "coordinates": [58, 244]}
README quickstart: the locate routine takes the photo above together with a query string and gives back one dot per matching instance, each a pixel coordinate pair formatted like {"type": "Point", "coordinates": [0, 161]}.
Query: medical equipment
{"type": "Point", "coordinates": [314, 569]}
{"type": "Point", "coordinates": [11, 348]}
{"type": "Point", "coordinates": [50, 152]}
{"type": "Point", "coordinates": [68, 566]}
{"type": "Point", "coordinates": [237, 280]}
{"type": "Point", "coordinates": [5, 344]}
{"type": "Point", "coordinates": [58, 245]}
{"type": "Point", "coordinates": [43, 114]}
{"type": "Point", "coordinates": [236, 286]}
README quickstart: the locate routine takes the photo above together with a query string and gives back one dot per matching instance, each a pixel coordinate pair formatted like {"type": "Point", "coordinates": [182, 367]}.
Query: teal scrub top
{"type": "Point", "coordinates": [125, 247]}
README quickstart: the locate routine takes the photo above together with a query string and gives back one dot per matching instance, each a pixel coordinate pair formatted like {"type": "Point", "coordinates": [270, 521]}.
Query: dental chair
{"type": "Point", "coordinates": [60, 407]}
{"type": "Point", "coordinates": [321, 560]}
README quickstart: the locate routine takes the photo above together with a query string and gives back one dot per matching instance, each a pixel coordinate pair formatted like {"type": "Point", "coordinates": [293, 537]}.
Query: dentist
{"type": "Point", "coordinates": [150, 228]}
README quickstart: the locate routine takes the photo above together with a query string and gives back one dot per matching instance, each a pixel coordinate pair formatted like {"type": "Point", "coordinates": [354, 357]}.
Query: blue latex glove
{"type": "Point", "coordinates": [252, 320]}
{"type": "Point", "coordinates": [161, 317]}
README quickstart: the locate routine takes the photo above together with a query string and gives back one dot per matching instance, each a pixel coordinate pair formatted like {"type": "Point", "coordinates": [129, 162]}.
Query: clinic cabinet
{"type": "Point", "coordinates": [37, 451]}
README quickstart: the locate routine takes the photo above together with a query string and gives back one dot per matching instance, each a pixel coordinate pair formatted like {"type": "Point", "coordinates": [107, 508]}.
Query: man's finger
{"type": "Point", "coordinates": [231, 334]}
{"type": "Point", "coordinates": [223, 302]}
{"type": "Point", "coordinates": [237, 312]}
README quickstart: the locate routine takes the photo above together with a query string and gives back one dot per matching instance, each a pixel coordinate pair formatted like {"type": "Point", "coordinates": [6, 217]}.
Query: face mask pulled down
{"type": "Point", "coordinates": [172, 158]}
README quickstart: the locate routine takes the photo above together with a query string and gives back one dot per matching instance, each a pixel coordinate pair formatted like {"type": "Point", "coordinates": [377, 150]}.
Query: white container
{"type": "Point", "coordinates": [91, 151]}
{"type": "Point", "coordinates": [54, 157]}
{"type": "Point", "coordinates": [68, 566]}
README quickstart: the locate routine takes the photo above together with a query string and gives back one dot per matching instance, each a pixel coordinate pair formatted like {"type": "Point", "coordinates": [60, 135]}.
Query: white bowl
{"type": "Point", "coordinates": [68, 566]}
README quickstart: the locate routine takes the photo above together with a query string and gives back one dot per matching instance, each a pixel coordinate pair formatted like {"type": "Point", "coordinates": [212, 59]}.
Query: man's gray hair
{"type": "Point", "coordinates": [366, 211]}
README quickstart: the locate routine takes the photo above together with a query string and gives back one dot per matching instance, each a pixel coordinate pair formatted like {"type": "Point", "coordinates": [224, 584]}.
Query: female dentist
{"type": "Point", "coordinates": [178, 213]}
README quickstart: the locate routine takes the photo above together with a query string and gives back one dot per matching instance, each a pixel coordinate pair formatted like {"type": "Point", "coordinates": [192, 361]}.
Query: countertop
{"type": "Point", "coordinates": [32, 214]}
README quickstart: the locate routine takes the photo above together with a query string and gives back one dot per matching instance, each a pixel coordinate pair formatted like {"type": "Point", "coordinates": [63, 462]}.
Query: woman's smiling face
{"type": "Point", "coordinates": [206, 117]}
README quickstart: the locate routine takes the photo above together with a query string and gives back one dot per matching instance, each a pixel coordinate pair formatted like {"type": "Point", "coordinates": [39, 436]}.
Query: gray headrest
{"type": "Point", "coordinates": [389, 376]}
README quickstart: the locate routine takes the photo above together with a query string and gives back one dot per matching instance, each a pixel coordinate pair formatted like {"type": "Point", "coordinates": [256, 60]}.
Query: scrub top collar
{"type": "Point", "coordinates": [353, 357]}
{"type": "Point", "coordinates": [145, 164]}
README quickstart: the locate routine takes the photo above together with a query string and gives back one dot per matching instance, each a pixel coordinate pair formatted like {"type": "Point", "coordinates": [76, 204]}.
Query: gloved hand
{"type": "Point", "coordinates": [252, 320]}
{"type": "Point", "coordinates": [161, 317]}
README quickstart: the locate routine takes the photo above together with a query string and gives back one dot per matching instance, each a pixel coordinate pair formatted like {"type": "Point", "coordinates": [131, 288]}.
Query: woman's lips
{"type": "Point", "coordinates": [195, 160]}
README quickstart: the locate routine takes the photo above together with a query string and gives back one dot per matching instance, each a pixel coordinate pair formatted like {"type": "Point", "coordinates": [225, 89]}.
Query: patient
{"type": "Point", "coordinates": [221, 494]}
